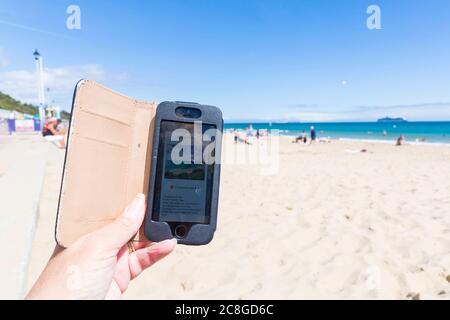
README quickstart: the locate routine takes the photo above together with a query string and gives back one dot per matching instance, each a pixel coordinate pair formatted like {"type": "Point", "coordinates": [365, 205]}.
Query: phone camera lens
{"type": "Point", "coordinates": [191, 113]}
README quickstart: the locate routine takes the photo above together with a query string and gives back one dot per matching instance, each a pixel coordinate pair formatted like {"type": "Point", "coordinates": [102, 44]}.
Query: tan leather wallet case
{"type": "Point", "coordinates": [107, 160]}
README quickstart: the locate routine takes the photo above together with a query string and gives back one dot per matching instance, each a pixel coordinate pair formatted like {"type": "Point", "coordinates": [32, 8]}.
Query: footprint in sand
{"type": "Point", "coordinates": [187, 285]}
{"type": "Point", "coordinates": [413, 296]}
{"type": "Point", "coordinates": [258, 287]}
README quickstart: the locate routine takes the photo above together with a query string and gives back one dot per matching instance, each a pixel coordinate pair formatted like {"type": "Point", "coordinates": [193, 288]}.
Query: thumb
{"type": "Point", "coordinates": [122, 229]}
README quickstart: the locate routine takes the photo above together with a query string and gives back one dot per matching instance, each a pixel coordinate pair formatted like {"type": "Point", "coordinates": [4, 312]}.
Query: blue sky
{"type": "Point", "coordinates": [312, 60]}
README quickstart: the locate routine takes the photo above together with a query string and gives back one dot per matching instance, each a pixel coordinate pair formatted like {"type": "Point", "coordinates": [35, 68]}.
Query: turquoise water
{"type": "Point", "coordinates": [435, 132]}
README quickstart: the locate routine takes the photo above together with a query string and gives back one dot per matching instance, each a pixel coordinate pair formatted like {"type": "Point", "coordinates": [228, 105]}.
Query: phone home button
{"type": "Point", "coordinates": [180, 231]}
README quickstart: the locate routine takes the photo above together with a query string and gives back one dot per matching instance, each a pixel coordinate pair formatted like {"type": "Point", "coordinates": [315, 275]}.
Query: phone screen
{"type": "Point", "coordinates": [184, 172]}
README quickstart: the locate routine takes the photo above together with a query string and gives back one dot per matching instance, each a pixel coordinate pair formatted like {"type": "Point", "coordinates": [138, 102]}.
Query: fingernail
{"type": "Point", "coordinates": [133, 209]}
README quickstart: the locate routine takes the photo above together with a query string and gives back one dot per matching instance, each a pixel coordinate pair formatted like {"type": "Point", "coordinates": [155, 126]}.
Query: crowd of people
{"type": "Point", "coordinates": [249, 136]}
{"type": "Point", "coordinates": [303, 138]}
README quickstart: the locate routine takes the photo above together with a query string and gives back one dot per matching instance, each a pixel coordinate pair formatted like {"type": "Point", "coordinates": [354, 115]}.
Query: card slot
{"type": "Point", "coordinates": [104, 116]}
{"type": "Point", "coordinates": [101, 129]}
{"type": "Point", "coordinates": [103, 141]}
{"type": "Point", "coordinates": [94, 187]}
{"type": "Point", "coordinates": [101, 101]}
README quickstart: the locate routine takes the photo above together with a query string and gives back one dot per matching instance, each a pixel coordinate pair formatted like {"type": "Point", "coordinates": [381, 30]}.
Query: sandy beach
{"type": "Point", "coordinates": [331, 223]}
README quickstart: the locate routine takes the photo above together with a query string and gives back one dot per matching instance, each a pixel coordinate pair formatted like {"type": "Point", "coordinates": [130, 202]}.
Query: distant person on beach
{"type": "Point", "coordinates": [52, 133]}
{"type": "Point", "coordinates": [241, 137]}
{"type": "Point", "coordinates": [101, 265]}
{"type": "Point", "coordinates": [235, 136]}
{"type": "Point", "coordinates": [50, 127]}
{"type": "Point", "coordinates": [303, 138]}
{"type": "Point", "coordinates": [248, 133]}
{"type": "Point", "coordinates": [400, 140]}
{"type": "Point", "coordinates": [313, 134]}
{"type": "Point", "coordinates": [257, 134]}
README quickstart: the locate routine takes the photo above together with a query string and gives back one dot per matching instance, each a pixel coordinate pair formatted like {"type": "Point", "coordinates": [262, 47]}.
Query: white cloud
{"type": "Point", "coordinates": [4, 61]}
{"type": "Point", "coordinates": [435, 111]}
{"type": "Point", "coordinates": [311, 116]}
{"type": "Point", "coordinates": [413, 112]}
{"type": "Point", "coordinates": [22, 84]}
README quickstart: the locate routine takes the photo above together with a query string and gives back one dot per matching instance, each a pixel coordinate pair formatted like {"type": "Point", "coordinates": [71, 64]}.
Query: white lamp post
{"type": "Point", "coordinates": [40, 83]}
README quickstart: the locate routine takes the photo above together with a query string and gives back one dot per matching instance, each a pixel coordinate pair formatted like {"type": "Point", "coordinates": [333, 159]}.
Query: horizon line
{"type": "Point", "coordinates": [307, 122]}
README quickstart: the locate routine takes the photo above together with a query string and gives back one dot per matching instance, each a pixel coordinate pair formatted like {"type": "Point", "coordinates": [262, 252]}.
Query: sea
{"type": "Point", "coordinates": [419, 132]}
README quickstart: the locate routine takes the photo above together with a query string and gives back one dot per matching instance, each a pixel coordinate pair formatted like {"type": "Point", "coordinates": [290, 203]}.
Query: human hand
{"type": "Point", "coordinates": [99, 265]}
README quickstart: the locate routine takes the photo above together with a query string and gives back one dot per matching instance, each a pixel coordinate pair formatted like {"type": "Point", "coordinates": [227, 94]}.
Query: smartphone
{"type": "Point", "coordinates": [185, 173]}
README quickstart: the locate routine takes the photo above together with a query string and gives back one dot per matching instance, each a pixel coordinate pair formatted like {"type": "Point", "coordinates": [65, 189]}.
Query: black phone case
{"type": "Point", "coordinates": [199, 234]}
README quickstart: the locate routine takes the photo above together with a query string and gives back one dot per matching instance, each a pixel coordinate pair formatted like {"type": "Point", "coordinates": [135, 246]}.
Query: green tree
{"type": "Point", "coordinates": [9, 103]}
